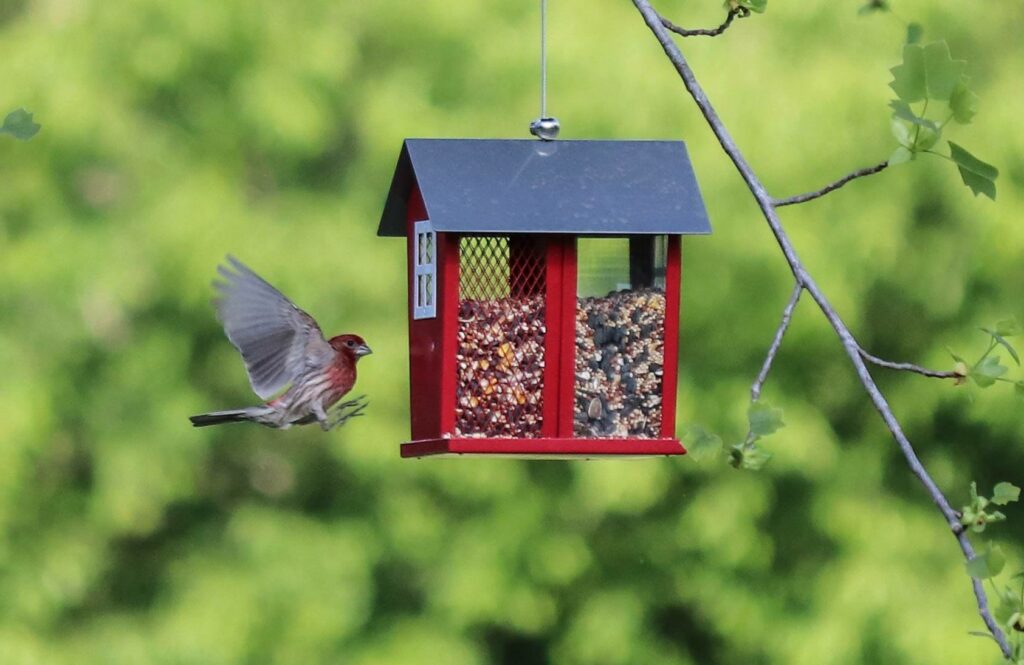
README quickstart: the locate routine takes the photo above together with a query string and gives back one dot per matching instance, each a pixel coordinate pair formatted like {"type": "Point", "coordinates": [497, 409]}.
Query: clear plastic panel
{"type": "Point", "coordinates": [620, 336]}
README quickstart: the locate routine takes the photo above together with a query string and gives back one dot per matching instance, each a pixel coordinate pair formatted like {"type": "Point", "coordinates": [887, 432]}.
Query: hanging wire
{"type": "Point", "coordinates": [543, 58]}
{"type": "Point", "coordinates": [545, 127]}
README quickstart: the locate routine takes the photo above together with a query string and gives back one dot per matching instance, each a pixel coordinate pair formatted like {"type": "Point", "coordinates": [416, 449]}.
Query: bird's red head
{"type": "Point", "coordinates": [352, 346]}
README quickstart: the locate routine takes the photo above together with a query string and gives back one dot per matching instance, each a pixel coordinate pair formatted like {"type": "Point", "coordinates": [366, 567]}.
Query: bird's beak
{"type": "Point", "coordinates": [363, 350]}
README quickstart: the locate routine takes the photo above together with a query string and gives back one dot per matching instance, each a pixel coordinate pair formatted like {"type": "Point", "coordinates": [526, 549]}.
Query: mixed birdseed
{"type": "Point", "coordinates": [500, 367]}
{"type": "Point", "coordinates": [620, 364]}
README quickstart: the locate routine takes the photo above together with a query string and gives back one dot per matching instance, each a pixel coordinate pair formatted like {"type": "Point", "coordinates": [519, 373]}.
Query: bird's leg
{"type": "Point", "coordinates": [341, 416]}
{"type": "Point", "coordinates": [355, 409]}
{"type": "Point", "coordinates": [321, 416]}
{"type": "Point", "coordinates": [350, 403]}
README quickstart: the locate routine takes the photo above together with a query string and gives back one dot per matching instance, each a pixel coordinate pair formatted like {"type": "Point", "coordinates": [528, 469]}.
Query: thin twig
{"type": "Point", "coordinates": [810, 196]}
{"type": "Point", "coordinates": [767, 205]}
{"type": "Point", "coordinates": [773, 350]}
{"type": "Point", "coordinates": [910, 367]}
{"type": "Point", "coordinates": [705, 32]}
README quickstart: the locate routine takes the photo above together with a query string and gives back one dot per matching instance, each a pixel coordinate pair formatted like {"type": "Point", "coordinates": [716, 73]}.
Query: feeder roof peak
{"type": "Point", "coordinates": [509, 186]}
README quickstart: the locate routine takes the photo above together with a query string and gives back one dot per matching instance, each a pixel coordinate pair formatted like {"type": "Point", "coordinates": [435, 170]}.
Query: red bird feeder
{"type": "Point", "coordinates": [544, 286]}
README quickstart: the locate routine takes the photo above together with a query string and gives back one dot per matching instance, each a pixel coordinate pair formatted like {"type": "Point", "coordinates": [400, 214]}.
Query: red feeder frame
{"type": "Point", "coordinates": [496, 321]}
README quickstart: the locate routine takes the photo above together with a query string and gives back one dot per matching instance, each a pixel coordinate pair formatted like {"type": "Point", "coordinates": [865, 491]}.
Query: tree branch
{"type": "Point", "coordinates": [910, 367]}
{"type": "Point", "coordinates": [773, 350]}
{"type": "Point", "coordinates": [810, 196]}
{"type": "Point", "coordinates": [703, 32]}
{"type": "Point", "coordinates": [768, 209]}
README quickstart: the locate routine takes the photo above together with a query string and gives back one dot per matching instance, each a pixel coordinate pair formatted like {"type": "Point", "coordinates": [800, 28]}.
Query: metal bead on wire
{"type": "Point", "coordinates": [546, 129]}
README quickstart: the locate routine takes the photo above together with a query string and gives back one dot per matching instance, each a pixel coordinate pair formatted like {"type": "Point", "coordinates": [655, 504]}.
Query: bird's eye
{"type": "Point", "coordinates": [350, 344]}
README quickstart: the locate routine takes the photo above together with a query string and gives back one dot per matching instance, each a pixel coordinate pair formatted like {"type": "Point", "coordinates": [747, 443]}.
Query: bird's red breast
{"type": "Point", "coordinates": [341, 376]}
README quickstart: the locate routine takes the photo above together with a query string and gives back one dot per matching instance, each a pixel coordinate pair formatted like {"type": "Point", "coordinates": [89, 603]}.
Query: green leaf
{"type": "Point", "coordinates": [1019, 389]}
{"type": "Point", "coordinates": [1008, 611]}
{"type": "Point", "coordinates": [925, 138]}
{"type": "Point", "coordinates": [700, 443]}
{"type": "Point", "coordinates": [999, 339]}
{"type": "Point", "coordinates": [900, 156]}
{"type": "Point", "coordinates": [914, 33]}
{"type": "Point", "coordinates": [756, 459]}
{"type": "Point", "coordinates": [751, 458]}
{"type": "Point", "coordinates": [902, 110]}
{"type": "Point", "coordinates": [976, 174]}
{"type": "Point", "coordinates": [19, 124]}
{"type": "Point", "coordinates": [963, 104]}
{"type": "Point", "coordinates": [943, 72]}
{"type": "Point", "coordinates": [927, 72]}
{"type": "Point", "coordinates": [902, 133]}
{"type": "Point", "coordinates": [1005, 493]}
{"type": "Point", "coordinates": [764, 419]}
{"type": "Point", "coordinates": [908, 79]}
{"type": "Point", "coordinates": [955, 357]}
{"type": "Point", "coordinates": [987, 371]}
{"type": "Point", "coordinates": [922, 136]}
{"type": "Point", "coordinates": [987, 564]}
{"type": "Point", "coordinates": [1009, 605]}
{"type": "Point", "coordinates": [753, 5]}
{"type": "Point", "coordinates": [1008, 327]}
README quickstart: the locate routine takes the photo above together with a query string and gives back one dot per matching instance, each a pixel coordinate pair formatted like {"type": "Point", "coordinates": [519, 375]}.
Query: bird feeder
{"type": "Point", "coordinates": [544, 283]}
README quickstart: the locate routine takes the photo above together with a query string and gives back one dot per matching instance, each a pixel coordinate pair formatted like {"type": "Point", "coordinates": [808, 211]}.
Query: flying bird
{"type": "Point", "coordinates": [283, 346]}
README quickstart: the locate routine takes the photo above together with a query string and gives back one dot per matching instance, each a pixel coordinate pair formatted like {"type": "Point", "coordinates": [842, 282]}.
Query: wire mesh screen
{"type": "Point", "coordinates": [501, 337]}
{"type": "Point", "coordinates": [483, 268]}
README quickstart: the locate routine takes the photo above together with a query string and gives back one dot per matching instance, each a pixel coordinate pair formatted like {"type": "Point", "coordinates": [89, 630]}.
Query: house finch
{"type": "Point", "coordinates": [283, 345]}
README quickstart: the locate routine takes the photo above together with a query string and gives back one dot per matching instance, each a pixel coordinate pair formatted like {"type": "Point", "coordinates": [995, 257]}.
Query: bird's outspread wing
{"type": "Point", "coordinates": [277, 340]}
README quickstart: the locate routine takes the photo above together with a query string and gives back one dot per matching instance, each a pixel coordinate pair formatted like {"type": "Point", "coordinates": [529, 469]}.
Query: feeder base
{"type": "Point", "coordinates": [543, 448]}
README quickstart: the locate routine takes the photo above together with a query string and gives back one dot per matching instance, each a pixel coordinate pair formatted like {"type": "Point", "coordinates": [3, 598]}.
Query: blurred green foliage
{"type": "Point", "coordinates": [19, 124]}
{"type": "Point", "coordinates": [177, 132]}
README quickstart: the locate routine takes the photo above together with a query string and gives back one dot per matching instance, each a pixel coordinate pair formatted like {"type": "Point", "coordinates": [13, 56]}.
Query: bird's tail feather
{"type": "Point", "coordinates": [219, 417]}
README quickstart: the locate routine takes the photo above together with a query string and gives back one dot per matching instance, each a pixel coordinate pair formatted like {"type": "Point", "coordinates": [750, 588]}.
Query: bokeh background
{"type": "Point", "coordinates": [176, 132]}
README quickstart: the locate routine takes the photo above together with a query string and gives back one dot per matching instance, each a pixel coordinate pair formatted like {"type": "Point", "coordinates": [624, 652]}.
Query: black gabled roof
{"type": "Point", "coordinates": [531, 186]}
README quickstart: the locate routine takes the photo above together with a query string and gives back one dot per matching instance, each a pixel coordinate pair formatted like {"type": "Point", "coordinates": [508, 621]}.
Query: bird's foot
{"type": "Point", "coordinates": [351, 403]}
{"type": "Point", "coordinates": [346, 410]}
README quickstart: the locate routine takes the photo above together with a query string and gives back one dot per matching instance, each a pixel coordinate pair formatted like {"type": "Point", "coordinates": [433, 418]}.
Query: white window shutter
{"type": "Point", "coordinates": [424, 274]}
